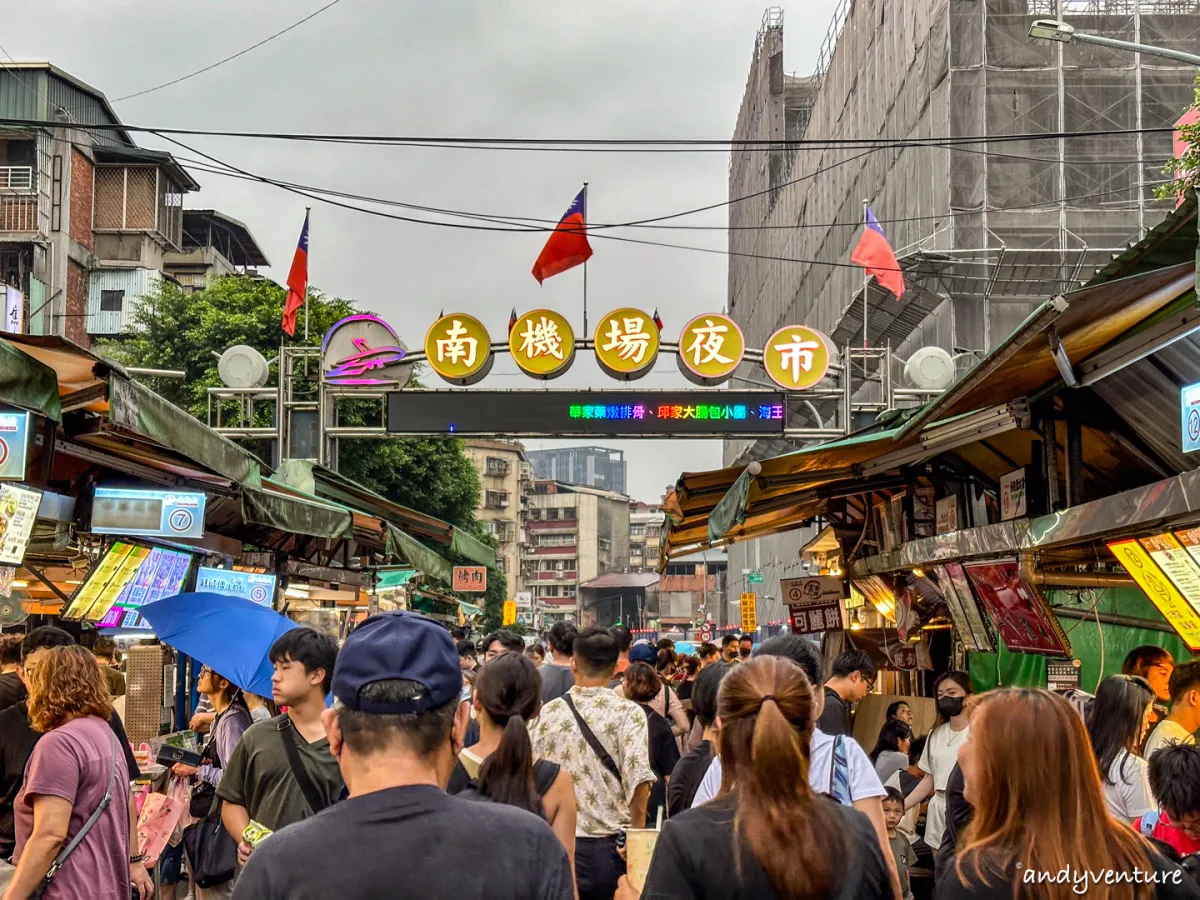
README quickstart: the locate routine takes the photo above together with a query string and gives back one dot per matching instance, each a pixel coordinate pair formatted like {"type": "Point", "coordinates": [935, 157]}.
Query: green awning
{"type": "Point", "coordinates": [472, 548]}
{"type": "Point", "coordinates": [408, 548]}
{"type": "Point", "coordinates": [389, 579]}
{"type": "Point", "coordinates": [730, 509]}
{"type": "Point", "coordinates": [469, 609]}
{"type": "Point", "coordinates": [27, 383]}
{"type": "Point", "coordinates": [135, 407]}
{"type": "Point", "coordinates": [296, 516]}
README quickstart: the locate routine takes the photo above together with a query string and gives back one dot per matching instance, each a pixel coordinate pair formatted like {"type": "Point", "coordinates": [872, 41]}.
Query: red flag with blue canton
{"type": "Point", "coordinates": [567, 245]}
{"type": "Point", "coordinates": [297, 281]}
{"type": "Point", "coordinates": [875, 254]}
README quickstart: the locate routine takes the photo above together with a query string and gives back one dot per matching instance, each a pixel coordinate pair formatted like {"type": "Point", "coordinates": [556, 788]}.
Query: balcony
{"type": "Point", "coordinates": [562, 575]}
{"type": "Point", "coordinates": [555, 550]}
{"type": "Point", "coordinates": [18, 199]}
{"type": "Point", "coordinates": [551, 524]}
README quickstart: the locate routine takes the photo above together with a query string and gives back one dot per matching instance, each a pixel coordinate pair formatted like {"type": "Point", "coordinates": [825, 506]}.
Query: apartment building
{"type": "Point", "coordinates": [645, 535]}
{"type": "Point", "coordinates": [89, 221]}
{"type": "Point", "coordinates": [506, 479]}
{"type": "Point", "coordinates": [575, 534]}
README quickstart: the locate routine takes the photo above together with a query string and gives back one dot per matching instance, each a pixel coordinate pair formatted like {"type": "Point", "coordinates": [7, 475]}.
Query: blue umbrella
{"type": "Point", "coordinates": [230, 635]}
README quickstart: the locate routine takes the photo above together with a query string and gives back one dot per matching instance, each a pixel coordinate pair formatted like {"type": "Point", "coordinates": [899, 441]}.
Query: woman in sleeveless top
{"type": "Point", "coordinates": [501, 767]}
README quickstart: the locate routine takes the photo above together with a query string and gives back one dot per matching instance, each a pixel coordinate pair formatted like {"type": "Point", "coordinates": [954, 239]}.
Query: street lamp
{"type": "Point", "coordinates": [1054, 30]}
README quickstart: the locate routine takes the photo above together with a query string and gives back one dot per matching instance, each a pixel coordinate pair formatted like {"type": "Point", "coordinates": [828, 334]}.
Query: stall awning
{"type": "Point", "coordinates": [27, 383]}
{"type": "Point", "coordinates": [296, 516]}
{"type": "Point", "coordinates": [390, 579]}
{"type": "Point", "coordinates": [325, 483]}
{"type": "Point", "coordinates": [408, 548]}
{"type": "Point", "coordinates": [469, 609]}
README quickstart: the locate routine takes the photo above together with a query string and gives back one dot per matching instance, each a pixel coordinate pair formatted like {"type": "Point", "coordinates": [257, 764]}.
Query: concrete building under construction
{"type": "Point", "coordinates": [987, 217]}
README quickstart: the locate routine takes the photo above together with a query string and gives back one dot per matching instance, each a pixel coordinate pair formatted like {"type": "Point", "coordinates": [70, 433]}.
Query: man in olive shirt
{"type": "Point", "coordinates": [259, 782]}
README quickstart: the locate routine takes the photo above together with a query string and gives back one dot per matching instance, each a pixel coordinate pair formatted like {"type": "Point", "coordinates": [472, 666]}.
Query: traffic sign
{"type": "Point", "coordinates": [510, 613]}
{"type": "Point", "coordinates": [705, 633]}
{"type": "Point", "coordinates": [749, 605]}
{"type": "Point", "coordinates": [754, 578]}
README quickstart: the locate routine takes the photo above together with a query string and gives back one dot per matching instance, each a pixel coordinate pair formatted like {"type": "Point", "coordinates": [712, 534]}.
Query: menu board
{"type": "Point", "coordinates": [18, 509]}
{"type": "Point", "coordinates": [1177, 564]}
{"type": "Point", "coordinates": [105, 582]}
{"type": "Point", "coordinates": [1016, 608]}
{"type": "Point", "coordinates": [964, 611]}
{"type": "Point", "coordinates": [254, 586]}
{"type": "Point", "coordinates": [160, 574]}
{"type": "Point", "coordinates": [1179, 613]}
{"type": "Point", "coordinates": [1189, 539]}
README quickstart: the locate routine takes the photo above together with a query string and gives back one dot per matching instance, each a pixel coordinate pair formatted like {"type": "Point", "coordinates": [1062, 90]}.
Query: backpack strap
{"type": "Point", "coordinates": [288, 733]}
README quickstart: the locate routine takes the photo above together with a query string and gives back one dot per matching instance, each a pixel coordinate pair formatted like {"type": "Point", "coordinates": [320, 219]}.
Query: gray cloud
{"type": "Point", "coordinates": [597, 68]}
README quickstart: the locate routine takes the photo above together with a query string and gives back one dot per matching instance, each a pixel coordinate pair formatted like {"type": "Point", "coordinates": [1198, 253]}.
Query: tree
{"type": "Point", "coordinates": [1184, 171]}
{"type": "Point", "coordinates": [173, 330]}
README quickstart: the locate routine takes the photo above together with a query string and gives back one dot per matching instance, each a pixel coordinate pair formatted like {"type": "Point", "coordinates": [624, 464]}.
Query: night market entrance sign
{"type": "Point", "coordinates": [363, 351]}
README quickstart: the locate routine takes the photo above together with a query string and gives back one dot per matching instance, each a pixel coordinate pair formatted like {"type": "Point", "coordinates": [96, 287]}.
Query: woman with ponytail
{"type": "Point", "coordinates": [768, 835]}
{"type": "Point", "coordinates": [501, 767]}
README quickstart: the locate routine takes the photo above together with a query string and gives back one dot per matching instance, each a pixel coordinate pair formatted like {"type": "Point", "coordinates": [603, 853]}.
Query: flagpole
{"type": "Point", "coordinates": [307, 211]}
{"type": "Point", "coordinates": [866, 284]}
{"type": "Point", "coordinates": [586, 334]}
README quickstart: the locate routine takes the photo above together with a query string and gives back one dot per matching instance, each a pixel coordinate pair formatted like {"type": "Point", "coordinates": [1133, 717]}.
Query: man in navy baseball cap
{"type": "Point", "coordinates": [395, 727]}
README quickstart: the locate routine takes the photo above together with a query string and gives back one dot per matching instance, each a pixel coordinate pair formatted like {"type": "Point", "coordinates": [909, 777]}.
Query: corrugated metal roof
{"type": "Point", "coordinates": [622, 580]}
{"type": "Point", "coordinates": [1171, 242]}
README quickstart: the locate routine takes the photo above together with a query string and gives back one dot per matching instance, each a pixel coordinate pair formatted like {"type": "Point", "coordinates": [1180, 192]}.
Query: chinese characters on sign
{"type": "Point", "coordinates": [469, 579]}
{"type": "Point", "coordinates": [1175, 608]}
{"type": "Point", "coordinates": [678, 412]}
{"type": "Point", "coordinates": [815, 603]}
{"type": "Point", "coordinates": [459, 349]}
{"type": "Point", "coordinates": [626, 343]}
{"type": "Point", "coordinates": [796, 357]}
{"type": "Point", "coordinates": [711, 347]}
{"type": "Point", "coordinates": [749, 609]}
{"type": "Point", "coordinates": [542, 343]}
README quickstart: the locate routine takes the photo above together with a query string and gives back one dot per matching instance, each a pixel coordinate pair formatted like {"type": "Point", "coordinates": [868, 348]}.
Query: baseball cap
{"type": "Point", "coordinates": [643, 651]}
{"type": "Point", "coordinates": [397, 646]}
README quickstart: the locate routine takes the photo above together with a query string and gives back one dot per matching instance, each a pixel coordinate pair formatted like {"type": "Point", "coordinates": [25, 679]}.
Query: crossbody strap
{"type": "Point", "coordinates": [287, 731]}
{"type": "Point", "coordinates": [605, 759]}
{"type": "Point", "coordinates": [92, 819]}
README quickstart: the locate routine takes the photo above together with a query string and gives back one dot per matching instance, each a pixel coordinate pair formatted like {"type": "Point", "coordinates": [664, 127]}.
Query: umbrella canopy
{"type": "Point", "coordinates": [230, 635]}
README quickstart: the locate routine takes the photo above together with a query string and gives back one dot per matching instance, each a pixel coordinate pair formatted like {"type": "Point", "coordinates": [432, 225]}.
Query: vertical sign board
{"type": "Point", "coordinates": [510, 613]}
{"type": "Point", "coordinates": [1012, 495]}
{"type": "Point", "coordinates": [1162, 593]}
{"type": "Point", "coordinates": [749, 612]}
{"type": "Point", "coordinates": [1189, 403]}
{"type": "Point", "coordinates": [947, 515]}
{"type": "Point", "coordinates": [470, 579]}
{"type": "Point", "coordinates": [14, 311]}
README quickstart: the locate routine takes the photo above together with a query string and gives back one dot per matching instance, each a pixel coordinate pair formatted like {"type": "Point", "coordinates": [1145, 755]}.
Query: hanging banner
{"type": "Point", "coordinates": [711, 348]}
{"type": "Point", "coordinates": [14, 445]}
{"type": "Point", "coordinates": [542, 344]}
{"type": "Point", "coordinates": [1177, 564]}
{"type": "Point", "coordinates": [1012, 495]}
{"type": "Point", "coordinates": [18, 509]}
{"type": "Point", "coordinates": [14, 311]}
{"type": "Point", "coordinates": [1018, 611]}
{"type": "Point", "coordinates": [626, 343]}
{"type": "Point", "coordinates": [1175, 608]}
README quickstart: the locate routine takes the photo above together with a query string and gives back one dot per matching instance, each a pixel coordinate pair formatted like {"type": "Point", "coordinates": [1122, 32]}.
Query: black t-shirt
{"type": "Point", "coordinates": [1171, 883]}
{"type": "Point", "coordinates": [958, 817]}
{"type": "Point", "coordinates": [17, 740]}
{"type": "Point", "coordinates": [686, 778]}
{"type": "Point", "coordinates": [417, 840]}
{"type": "Point", "coordinates": [835, 718]}
{"type": "Point", "coordinates": [695, 859]}
{"type": "Point", "coordinates": [664, 756]}
{"type": "Point", "coordinates": [545, 773]}
{"type": "Point", "coordinates": [12, 690]}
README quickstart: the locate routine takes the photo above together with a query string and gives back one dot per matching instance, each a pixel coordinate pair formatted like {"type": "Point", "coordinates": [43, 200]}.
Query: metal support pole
{"type": "Point", "coordinates": [1074, 458]}
{"type": "Point", "coordinates": [1050, 438]}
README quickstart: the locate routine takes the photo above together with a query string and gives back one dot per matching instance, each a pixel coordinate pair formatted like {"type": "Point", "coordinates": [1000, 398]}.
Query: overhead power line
{"type": "Point", "coordinates": [602, 144]}
{"type": "Point", "coordinates": [221, 62]}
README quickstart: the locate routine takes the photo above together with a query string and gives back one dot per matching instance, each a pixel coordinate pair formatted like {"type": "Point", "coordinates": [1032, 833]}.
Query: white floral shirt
{"type": "Point", "coordinates": [620, 726]}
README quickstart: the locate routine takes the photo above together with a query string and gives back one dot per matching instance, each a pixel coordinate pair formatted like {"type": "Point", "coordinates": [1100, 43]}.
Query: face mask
{"type": "Point", "coordinates": [950, 706]}
{"type": "Point", "coordinates": [744, 652]}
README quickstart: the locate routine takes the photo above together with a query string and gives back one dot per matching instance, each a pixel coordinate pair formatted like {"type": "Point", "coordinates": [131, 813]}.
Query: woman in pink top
{"type": "Point", "coordinates": [72, 768]}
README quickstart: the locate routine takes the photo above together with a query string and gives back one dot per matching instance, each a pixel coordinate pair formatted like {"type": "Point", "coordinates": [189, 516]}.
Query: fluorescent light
{"type": "Point", "coordinates": [20, 583]}
{"type": "Point", "coordinates": [297, 592]}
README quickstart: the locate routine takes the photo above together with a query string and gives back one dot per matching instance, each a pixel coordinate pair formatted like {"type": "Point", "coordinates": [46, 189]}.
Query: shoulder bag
{"type": "Point", "coordinates": [66, 851]}
{"type": "Point", "coordinates": [211, 850]}
{"type": "Point", "coordinates": [287, 731]}
{"type": "Point", "coordinates": [592, 741]}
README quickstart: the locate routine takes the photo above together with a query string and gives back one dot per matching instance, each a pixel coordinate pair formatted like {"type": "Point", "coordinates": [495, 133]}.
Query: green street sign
{"type": "Point", "coordinates": [754, 578]}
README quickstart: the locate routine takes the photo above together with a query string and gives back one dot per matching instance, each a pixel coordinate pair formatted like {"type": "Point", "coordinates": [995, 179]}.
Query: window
{"type": "Point", "coordinates": [568, 512]}
{"type": "Point", "coordinates": [535, 514]}
{"type": "Point", "coordinates": [681, 569]}
{"type": "Point", "coordinates": [555, 540]}
{"type": "Point", "coordinates": [496, 499]}
{"type": "Point", "coordinates": [604, 545]}
{"type": "Point", "coordinates": [112, 301]}
{"type": "Point", "coordinates": [501, 564]}
{"type": "Point", "coordinates": [552, 515]}
{"type": "Point", "coordinates": [497, 466]}
{"type": "Point", "coordinates": [637, 530]}
{"type": "Point", "coordinates": [503, 531]}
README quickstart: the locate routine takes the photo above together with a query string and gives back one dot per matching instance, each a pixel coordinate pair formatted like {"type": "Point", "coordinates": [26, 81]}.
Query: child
{"type": "Point", "coordinates": [893, 812]}
{"type": "Point", "coordinates": [1175, 782]}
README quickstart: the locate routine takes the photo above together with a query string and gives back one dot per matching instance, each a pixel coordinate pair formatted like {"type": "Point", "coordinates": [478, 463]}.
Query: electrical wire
{"type": "Point", "coordinates": [222, 62]}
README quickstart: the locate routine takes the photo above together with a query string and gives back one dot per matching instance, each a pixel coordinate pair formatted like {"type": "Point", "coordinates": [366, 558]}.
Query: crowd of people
{"type": "Point", "coordinates": [504, 770]}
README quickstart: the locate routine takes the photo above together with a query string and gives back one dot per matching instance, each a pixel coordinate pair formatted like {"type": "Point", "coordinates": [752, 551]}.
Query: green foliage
{"type": "Point", "coordinates": [184, 331]}
{"type": "Point", "coordinates": [1184, 171]}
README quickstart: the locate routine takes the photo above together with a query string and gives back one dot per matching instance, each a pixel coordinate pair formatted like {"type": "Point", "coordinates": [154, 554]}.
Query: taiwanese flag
{"type": "Point", "coordinates": [875, 254]}
{"type": "Point", "coordinates": [658, 322]}
{"type": "Point", "coordinates": [297, 281]}
{"type": "Point", "coordinates": [568, 245]}
{"type": "Point", "coordinates": [512, 320]}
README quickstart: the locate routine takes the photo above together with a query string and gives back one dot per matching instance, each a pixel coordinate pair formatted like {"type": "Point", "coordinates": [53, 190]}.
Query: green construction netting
{"type": "Point", "coordinates": [1100, 650]}
{"type": "Point", "coordinates": [27, 383]}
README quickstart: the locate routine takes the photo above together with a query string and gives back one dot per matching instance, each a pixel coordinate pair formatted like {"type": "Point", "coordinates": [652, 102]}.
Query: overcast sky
{"type": "Point", "coordinates": [511, 68]}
